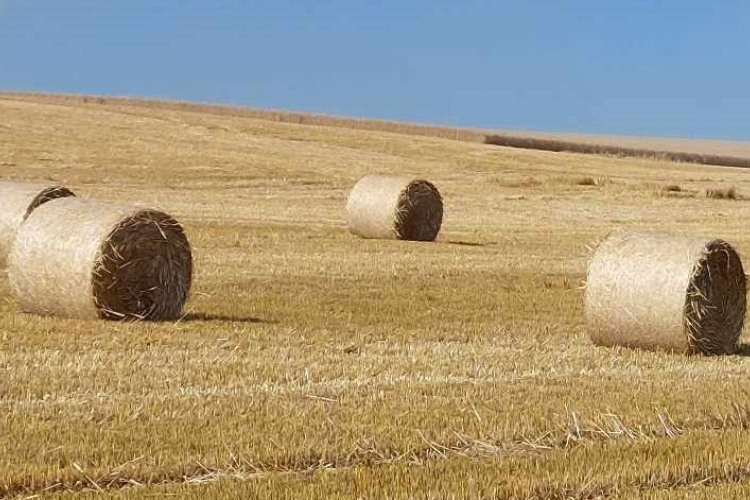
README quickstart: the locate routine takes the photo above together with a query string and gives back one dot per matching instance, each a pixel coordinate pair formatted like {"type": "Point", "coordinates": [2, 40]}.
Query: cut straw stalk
{"type": "Point", "coordinates": [85, 259]}
{"type": "Point", "coordinates": [17, 201]}
{"type": "Point", "coordinates": [388, 207]}
{"type": "Point", "coordinates": [657, 291]}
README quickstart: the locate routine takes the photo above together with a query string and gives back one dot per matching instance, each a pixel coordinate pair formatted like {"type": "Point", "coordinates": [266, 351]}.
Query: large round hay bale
{"type": "Point", "coordinates": [658, 291]}
{"type": "Point", "coordinates": [84, 259]}
{"type": "Point", "coordinates": [17, 201]}
{"type": "Point", "coordinates": [389, 207]}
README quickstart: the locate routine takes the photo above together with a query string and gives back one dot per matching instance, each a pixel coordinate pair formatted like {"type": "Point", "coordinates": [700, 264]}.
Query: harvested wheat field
{"type": "Point", "coordinates": [312, 363]}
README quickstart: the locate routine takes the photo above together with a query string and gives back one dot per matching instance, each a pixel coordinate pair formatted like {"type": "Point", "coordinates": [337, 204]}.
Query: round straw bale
{"type": "Point", "coordinates": [389, 207]}
{"type": "Point", "coordinates": [17, 201]}
{"type": "Point", "coordinates": [658, 291]}
{"type": "Point", "coordinates": [85, 259]}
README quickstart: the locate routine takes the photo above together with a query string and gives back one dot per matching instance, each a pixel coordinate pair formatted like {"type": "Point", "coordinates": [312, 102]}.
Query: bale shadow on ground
{"type": "Point", "coordinates": [743, 350]}
{"type": "Point", "coordinates": [466, 243]}
{"type": "Point", "coordinates": [202, 316]}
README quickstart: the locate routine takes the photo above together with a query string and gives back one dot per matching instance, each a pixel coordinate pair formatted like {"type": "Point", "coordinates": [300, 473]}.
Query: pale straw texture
{"type": "Point", "coordinates": [85, 259]}
{"type": "Point", "coordinates": [17, 201]}
{"type": "Point", "coordinates": [658, 291]}
{"type": "Point", "coordinates": [390, 207]}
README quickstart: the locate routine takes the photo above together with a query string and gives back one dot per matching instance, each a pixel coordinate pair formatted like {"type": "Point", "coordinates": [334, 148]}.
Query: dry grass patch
{"type": "Point", "coordinates": [728, 193]}
{"type": "Point", "coordinates": [673, 191]}
{"type": "Point", "coordinates": [524, 182]}
{"type": "Point", "coordinates": [592, 181]}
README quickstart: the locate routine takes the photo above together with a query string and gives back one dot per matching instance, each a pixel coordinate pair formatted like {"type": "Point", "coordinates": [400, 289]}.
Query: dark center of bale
{"type": "Point", "coordinates": [48, 194]}
{"type": "Point", "coordinates": [144, 269]}
{"type": "Point", "coordinates": [419, 212]}
{"type": "Point", "coordinates": [715, 302]}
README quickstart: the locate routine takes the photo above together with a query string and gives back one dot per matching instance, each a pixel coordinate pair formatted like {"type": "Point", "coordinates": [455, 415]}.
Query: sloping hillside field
{"type": "Point", "coordinates": [315, 364]}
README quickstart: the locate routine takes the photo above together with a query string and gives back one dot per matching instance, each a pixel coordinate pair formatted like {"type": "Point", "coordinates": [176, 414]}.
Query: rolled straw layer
{"type": "Point", "coordinates": [388, 207]}
{"type": "Point", "coordinates": [17, 201]}
{"type": "Point", "coordinates": [84, 259]}
{"type": "Point", "coordinates": [658, 291]}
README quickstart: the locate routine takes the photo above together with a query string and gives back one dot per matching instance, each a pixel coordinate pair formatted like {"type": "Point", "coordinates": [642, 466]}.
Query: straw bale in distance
{"type": "Point", "coordinates": [86, 259]}
{"type": "Point", "coordinates": [389, 207]}
{"type": "Point", "coordinates": [658, 291]}
{"type": "Point", "coordinates": [17, 201]}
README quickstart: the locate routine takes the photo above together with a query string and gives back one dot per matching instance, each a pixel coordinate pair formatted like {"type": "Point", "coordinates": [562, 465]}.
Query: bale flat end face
{"type": "Point", "coordinates": [420, 212]}
{"type": "Point", "coordinates": [715, 301]}
{"type": "Point", "coordinates": [144, 269]}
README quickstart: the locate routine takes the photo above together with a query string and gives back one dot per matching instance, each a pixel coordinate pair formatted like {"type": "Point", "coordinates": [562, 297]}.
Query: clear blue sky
{"type": "Point", "coordinates": [670, 68]}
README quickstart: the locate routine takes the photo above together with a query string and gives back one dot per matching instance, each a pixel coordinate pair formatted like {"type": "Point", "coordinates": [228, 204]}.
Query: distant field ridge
{"type": "Point", "coordinates": [704, 152]}
{"type": "Point", "coordinates": [603, 149]}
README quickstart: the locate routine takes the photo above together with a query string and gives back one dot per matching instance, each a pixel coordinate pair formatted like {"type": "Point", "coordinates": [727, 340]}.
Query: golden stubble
{"type": "Point", "coordinates": [417, 365]}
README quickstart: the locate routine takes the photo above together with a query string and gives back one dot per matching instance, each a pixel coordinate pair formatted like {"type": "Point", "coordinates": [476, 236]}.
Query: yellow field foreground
{"type": "Point", "coordinates": [314, 364]}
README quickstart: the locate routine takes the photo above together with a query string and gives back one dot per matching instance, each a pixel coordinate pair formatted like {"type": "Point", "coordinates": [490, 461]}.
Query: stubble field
{"type": "Point", "coordinates": [314, 364]}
